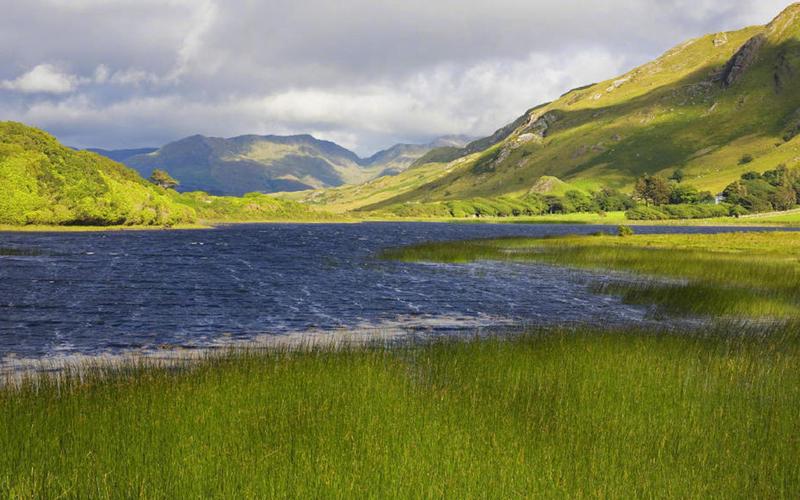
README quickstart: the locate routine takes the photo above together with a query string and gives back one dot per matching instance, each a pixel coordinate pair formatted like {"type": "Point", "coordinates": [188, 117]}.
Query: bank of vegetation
{"type": "Point", "coordinates": [732, 275]}
{"type": "Point", "coordinates": [653, 198]}
{"type": "Point", "coordinates": [558, 413]}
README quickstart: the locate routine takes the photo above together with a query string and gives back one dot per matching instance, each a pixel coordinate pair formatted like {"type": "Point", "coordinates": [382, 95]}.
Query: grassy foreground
{"type": "Point", "coordinates": [559, 413]}
{"type": "Point", "coordinates": [722, 275]}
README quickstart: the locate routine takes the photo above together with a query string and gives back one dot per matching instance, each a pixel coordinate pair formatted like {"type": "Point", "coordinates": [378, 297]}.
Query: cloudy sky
{"type": "Point", "coordinates": [364, 73]}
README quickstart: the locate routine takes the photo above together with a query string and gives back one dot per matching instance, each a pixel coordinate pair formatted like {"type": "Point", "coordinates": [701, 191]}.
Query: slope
{"type": "Point", "coordinates": [706, 106]}
{"type": "Point", "coordinates": [43, 182]}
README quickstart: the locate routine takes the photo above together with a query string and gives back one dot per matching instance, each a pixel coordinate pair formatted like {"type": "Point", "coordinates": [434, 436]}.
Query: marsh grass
{"type": "Point", "coordinates": [19, 252]}
{"type": "Point", "coordinates": [728, 275]}
{"type": "Point", "coordinates": [563, 413]}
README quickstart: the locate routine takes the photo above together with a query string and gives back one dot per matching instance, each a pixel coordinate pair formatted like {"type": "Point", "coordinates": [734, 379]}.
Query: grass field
{"type": "Point", "coordinates": [720, 275]}
{"type": "Point", "coordinates": [548, 414]}
{"type": "Point", "coordinates": [560, 412]}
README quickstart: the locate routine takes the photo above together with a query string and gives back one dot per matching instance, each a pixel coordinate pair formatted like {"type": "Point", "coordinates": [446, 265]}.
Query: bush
{"type": "Point", "coordinates": [611, 200]}
{"type": "Point", "coordinates": [687, 211]}
{"type": "Point", "coordinates": [737, 211]}
{"type": "Point", "coordinates": [624, 231]}
{"type": "Point", "coordinates": [645, 213]}
{"type": "Point", "coordinates": [745, 159]}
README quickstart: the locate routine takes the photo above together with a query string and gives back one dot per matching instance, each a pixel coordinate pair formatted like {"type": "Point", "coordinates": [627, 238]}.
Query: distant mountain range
{"type": "Point", "coordinates": [270, 163]}
{"type": "Point", "coordinates": [714, 107]}
{"type": "Point", "coordinates": [45, 182]}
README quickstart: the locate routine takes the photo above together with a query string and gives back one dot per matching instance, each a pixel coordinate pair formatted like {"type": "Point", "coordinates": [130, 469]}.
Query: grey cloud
{"type": "Point", "coordinates": [365, 72]}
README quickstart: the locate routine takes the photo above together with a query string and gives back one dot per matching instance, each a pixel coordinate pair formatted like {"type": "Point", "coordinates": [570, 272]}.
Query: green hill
{"type": "Point", "coordinates": [703, 107]}
{"type": "Point", "coordinates": [44, 182]}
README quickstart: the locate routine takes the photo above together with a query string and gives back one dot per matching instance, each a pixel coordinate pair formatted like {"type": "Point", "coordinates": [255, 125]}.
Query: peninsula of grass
{"type": "Point", "coordinates": [566, 413]}
{"type": "Point", "coordinates": [735, 275]}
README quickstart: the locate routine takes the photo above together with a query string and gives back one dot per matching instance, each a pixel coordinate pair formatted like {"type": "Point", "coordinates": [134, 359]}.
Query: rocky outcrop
{"type": "Point", "coordinates": [539, 125]}
{"type": "Point", "coordinates": [741, 61]}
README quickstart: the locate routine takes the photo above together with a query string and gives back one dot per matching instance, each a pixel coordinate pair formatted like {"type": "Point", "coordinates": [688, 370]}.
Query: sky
{"type": "Point", "coordinates": [363, 73]}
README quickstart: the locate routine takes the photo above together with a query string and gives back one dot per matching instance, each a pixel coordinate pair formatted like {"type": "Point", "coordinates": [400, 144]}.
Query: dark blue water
{"type": "Point", "coordinates": [89, 293]}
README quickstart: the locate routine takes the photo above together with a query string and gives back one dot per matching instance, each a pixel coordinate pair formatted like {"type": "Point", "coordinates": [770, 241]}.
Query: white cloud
{"type": "Point", "coordinates": [43, 78]}
{"type": "Point", "coordinates": [364, 72]}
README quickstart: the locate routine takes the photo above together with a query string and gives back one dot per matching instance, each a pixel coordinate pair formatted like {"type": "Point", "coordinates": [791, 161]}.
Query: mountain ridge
{"type": "Point", "coordinates": [700, 107]}
{"type": "Point", "coordinates": [270, 163]}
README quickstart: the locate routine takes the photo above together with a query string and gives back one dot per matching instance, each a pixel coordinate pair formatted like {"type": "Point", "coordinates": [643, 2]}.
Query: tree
{"type": "Point", "coordinates": [556, 205]}
{"type": "Point", "coordinates": [751, 176]}
{"type": "Point", "coordinates": [737, 211]}
{"type": "Point", "coordinates": [580, 201]}
{"type": "Point", "coordinates": [677, 176]}
{"type": "Point", "coordinates": [163, 179]}
{"type": "Point", "coordinates": [653, 189]}
{"type": "Point", "coordinates": [784, 198]}
{"type": "Point", "coordinates": [684, 194]}
{"type": "Point", "coordinates": [611, 200]}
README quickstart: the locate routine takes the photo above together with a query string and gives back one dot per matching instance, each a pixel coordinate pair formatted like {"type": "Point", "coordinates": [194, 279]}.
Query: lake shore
{"type": "Point", "coordinates": [560, 412]}
{"type": "Point", "coordinates": [563, 411]}
{"type": "Point", "coordinates": [614, 219]}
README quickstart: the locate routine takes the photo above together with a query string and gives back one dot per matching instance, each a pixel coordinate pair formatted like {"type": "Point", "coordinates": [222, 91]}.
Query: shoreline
{"type": "Point", "coordinates": [556, 220]}
{"type": "Point", "coordinates": [14, 368]}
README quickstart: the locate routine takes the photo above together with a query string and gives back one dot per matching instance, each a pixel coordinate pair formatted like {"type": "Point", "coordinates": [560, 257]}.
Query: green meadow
{"type": "Point", "coordinates": [566, 413]}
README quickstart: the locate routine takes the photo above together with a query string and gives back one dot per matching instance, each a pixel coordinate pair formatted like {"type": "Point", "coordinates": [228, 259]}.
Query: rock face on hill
{"type": "Point", "coordinates": [700, 107]}
{"type": "Point", "coordinates": [268, 164]}
{"type": "Point", "coordinates": [742, 60]}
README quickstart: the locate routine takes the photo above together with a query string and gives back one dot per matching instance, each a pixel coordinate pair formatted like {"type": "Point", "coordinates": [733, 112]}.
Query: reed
{"type": "Point", "coordinates": [569, 412]}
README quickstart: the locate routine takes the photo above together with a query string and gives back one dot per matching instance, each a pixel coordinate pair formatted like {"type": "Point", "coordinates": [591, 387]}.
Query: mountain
{"type": "Point", "coordinates": [400, 157]}
{"type": "Point", "coordinates": [121, 155]}
{"type": "Point", "coordinates": [43, 182]}
{"type": "Point", "coordinates": [715, 107]}
{"type": "Point", "coordinates": [249, 163]}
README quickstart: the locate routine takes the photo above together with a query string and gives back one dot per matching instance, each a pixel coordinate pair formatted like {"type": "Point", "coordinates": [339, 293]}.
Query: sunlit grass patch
{"type": "Point", "coordinates": [566, 413]}
{"type": "Point", "coordinates": [733, 274]}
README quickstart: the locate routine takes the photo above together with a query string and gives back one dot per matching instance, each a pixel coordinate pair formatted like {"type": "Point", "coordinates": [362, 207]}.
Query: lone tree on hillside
{"type": "Point", "coordinates": [653, 189]}
{"type": "Point", "coordinates": [677, 176]}
{"type": "Point", "coordinates": [163, 179]}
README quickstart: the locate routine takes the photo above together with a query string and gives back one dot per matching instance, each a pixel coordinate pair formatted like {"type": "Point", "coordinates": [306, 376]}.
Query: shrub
{"type": "Point", "coordinates": [645, 213]}
{"type": "Point", "coordinates": [624, 231]}
{"type": "Point", "coordinates": [737, 211]}
{"type": "Point", "coordinates": [688, 211]}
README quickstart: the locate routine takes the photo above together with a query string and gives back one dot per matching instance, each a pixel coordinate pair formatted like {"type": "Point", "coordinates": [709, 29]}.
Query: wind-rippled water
{"type": "Point", "coordinates": [90, 293]}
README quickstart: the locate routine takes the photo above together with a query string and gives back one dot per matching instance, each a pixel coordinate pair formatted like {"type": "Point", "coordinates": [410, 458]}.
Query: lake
{"type": "Point", "coordinates": [92, 293]}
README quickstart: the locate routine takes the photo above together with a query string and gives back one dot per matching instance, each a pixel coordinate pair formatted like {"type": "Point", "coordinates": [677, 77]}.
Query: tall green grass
{"type": "Point", "coordinates": [721, 275]}
{"type": "Point", "coordinates": [569, 413]}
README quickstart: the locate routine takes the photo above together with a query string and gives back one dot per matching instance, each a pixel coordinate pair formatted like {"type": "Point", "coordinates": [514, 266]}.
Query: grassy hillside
{"type": "Point", "coordinates": [702, 107]}
{"type": "Point", "coordinates": [45, 183]}
{"type": "Point", "coordinates": [378, 190]}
